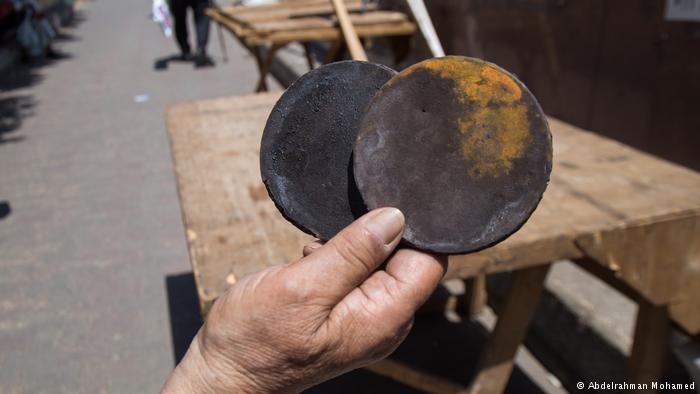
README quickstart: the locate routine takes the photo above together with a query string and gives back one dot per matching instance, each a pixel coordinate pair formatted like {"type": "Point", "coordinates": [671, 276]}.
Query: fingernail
{"type": "Point", "coordinates": [387, 224]}
{"type": "Point", "coordinates": [313, 246]}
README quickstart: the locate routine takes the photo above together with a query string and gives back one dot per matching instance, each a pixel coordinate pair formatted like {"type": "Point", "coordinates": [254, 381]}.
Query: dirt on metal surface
{"type": "Point", "coordinates": [461, 147]}
{"type": "Point", "coordinates": [306, 150]}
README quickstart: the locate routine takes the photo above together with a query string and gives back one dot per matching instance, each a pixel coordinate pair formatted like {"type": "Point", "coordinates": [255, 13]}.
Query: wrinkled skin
{"type": "Point", "coordinates": [289, 327]}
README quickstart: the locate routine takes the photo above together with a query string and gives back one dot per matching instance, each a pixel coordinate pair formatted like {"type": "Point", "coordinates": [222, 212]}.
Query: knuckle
{"type": "Point", "coordinates": [295, 290]}
{"type": "Point", "coordinates": [392, 288]}
{"type": "Point", "coordinates": [362, 250]}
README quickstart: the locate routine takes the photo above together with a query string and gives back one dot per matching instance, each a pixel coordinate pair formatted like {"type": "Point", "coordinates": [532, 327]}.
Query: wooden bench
{"type": "Point", "coordinates": [264, 30]}
{"type": "Point", "coordinates": [630, 217]}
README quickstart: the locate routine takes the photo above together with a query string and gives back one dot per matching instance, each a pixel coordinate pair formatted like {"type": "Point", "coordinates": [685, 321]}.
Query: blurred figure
{"type": "Point", "coordinates": [34, 32]}
{"type": "Point", "coordinates": [179, 12]}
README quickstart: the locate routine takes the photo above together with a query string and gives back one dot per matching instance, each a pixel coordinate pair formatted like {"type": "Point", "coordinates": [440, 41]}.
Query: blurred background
{"type": "Point", "coordinates": [96, 289]}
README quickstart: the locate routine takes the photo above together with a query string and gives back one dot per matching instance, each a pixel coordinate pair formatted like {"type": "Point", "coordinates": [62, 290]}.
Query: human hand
{"type": "Point", "coordinates": [289, 327]}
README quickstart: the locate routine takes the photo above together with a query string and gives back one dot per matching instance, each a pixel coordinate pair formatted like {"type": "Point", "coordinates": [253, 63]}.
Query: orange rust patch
{"type": "Point", "coordinates": [496, 132]}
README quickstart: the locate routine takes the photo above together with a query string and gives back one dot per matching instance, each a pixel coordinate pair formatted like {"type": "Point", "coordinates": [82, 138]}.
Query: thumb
{"type": "Point", "coordinates": [344, 262]}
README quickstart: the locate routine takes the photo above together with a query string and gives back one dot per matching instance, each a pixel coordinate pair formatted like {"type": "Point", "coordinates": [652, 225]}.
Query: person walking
{"type": "Point", "coordinates": [179, 11]}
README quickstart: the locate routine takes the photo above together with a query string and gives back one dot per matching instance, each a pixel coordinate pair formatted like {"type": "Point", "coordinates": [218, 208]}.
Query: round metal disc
{"type": "Point", "coordinates": [461, 147]}
{"type": "Point", "coordinates": [306, 149]}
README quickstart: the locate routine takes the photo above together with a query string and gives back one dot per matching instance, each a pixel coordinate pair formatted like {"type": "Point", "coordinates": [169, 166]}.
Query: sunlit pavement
{"type": "Point", "coordinates": [90, 227]}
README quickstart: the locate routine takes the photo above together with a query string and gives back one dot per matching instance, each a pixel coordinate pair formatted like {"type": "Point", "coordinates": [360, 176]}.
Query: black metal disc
{"type": "Point", "coordinates": [306, 149]}
{"type": "Point", "coordinates": [461, 147]}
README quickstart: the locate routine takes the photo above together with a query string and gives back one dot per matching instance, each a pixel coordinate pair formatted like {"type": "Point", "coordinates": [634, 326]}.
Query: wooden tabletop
{"type": "Point", "coordinates": [633, 213]}
{"type": "Point", "coordinates": [307, 20]}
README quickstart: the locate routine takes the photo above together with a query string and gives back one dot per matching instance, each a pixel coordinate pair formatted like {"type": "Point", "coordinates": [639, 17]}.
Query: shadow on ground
{"type": "Point", "coordinates": [14, 108]}
{"type": "Point", "coordinates": [183, 305]}
{"type": "Point", "coordinates": [569, 346]}
{"type": "Point", "coordinates": [76, 19]}
{"type": "Point", "coordinates": [162, 63]}
{"type": "Point", "coordinates": [445, 349]}
{"type": "Point", "coordinates": [5, 209]}
{"type": "Point", "coordinates": [435, 345]}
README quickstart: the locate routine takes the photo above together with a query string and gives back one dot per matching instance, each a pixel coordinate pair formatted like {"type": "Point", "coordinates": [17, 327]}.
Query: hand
{"type": "Point", "coordinates": [289, 327]}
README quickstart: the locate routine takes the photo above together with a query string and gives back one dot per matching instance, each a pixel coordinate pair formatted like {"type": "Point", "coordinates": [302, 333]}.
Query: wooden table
{"type": "Point", "coordinates": [629, 217]}
{"type": "Point", "coordinates": [265, 29]}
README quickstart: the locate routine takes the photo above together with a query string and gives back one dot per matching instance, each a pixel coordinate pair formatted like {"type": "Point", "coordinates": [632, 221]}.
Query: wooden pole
{"type": "Point", "coordinates": [420, 13]}
{"type": "Point", "coordinates": [349, 33]}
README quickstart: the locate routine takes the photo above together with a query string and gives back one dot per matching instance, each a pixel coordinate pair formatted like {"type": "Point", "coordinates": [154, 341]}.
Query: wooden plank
{"type": "Point", "coordinates": [332, 33]}
{"type": "Point", "coordinates": [236, 28]}
{"type": "Point", "coordinates": [233, 228]}
{"type": "Point", "coordinates": [660, 261]}
{"type": "Point", "coordinates": [291, 24]}
{"type": "Point", "coordinates": [683, 308]}
{"type": "Point", "coordinates": [498, 355]}
{"type": "Point", "coordinates": [598, 187]}
{"type": "Point", "coordinates": [414, 378]}
{"type": "Point", "coordinates": [646, 362]}
{"type": "Point", "coordinates": [608, 276]}
{"type": "Point", "coordinates": [324, 9]}
{"type": "Point", "coordinates": [252, 37]}
{"type": "Point", "coordinates": [243, 9]}
{"type": "Point", "coordinates": [357, 52]}
{"type": "Point", "coordinates": [285, 5]}
{"type": "Point", "coordinates": [376, 17]}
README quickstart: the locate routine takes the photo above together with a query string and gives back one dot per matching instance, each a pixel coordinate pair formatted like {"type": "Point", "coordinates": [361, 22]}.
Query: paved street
{"type": "Point", "coordinates": [90, 227]}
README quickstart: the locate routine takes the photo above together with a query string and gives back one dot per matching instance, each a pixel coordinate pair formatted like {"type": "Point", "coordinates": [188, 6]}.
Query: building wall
{"type": "Point", "coordinates": [613, 67]}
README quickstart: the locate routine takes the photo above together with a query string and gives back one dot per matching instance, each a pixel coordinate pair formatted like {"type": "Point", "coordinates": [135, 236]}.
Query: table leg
{"type": "Point", "coordinates": [648, 356]}
{"type": "Point", "coordinates": [496, 361]}
{"type": "Point", "coordinates": [258, 54]}
{"type": "Point", "coordinates": [334, 51]}
{"type": "Point", "coordinates": [222, 44]}
{"type": "Point", "coordinates": [307, 53]}
{"type": "Point", "coordinates": [264, 65]}
{"type": "Point", "coordinates": [474, 295]}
